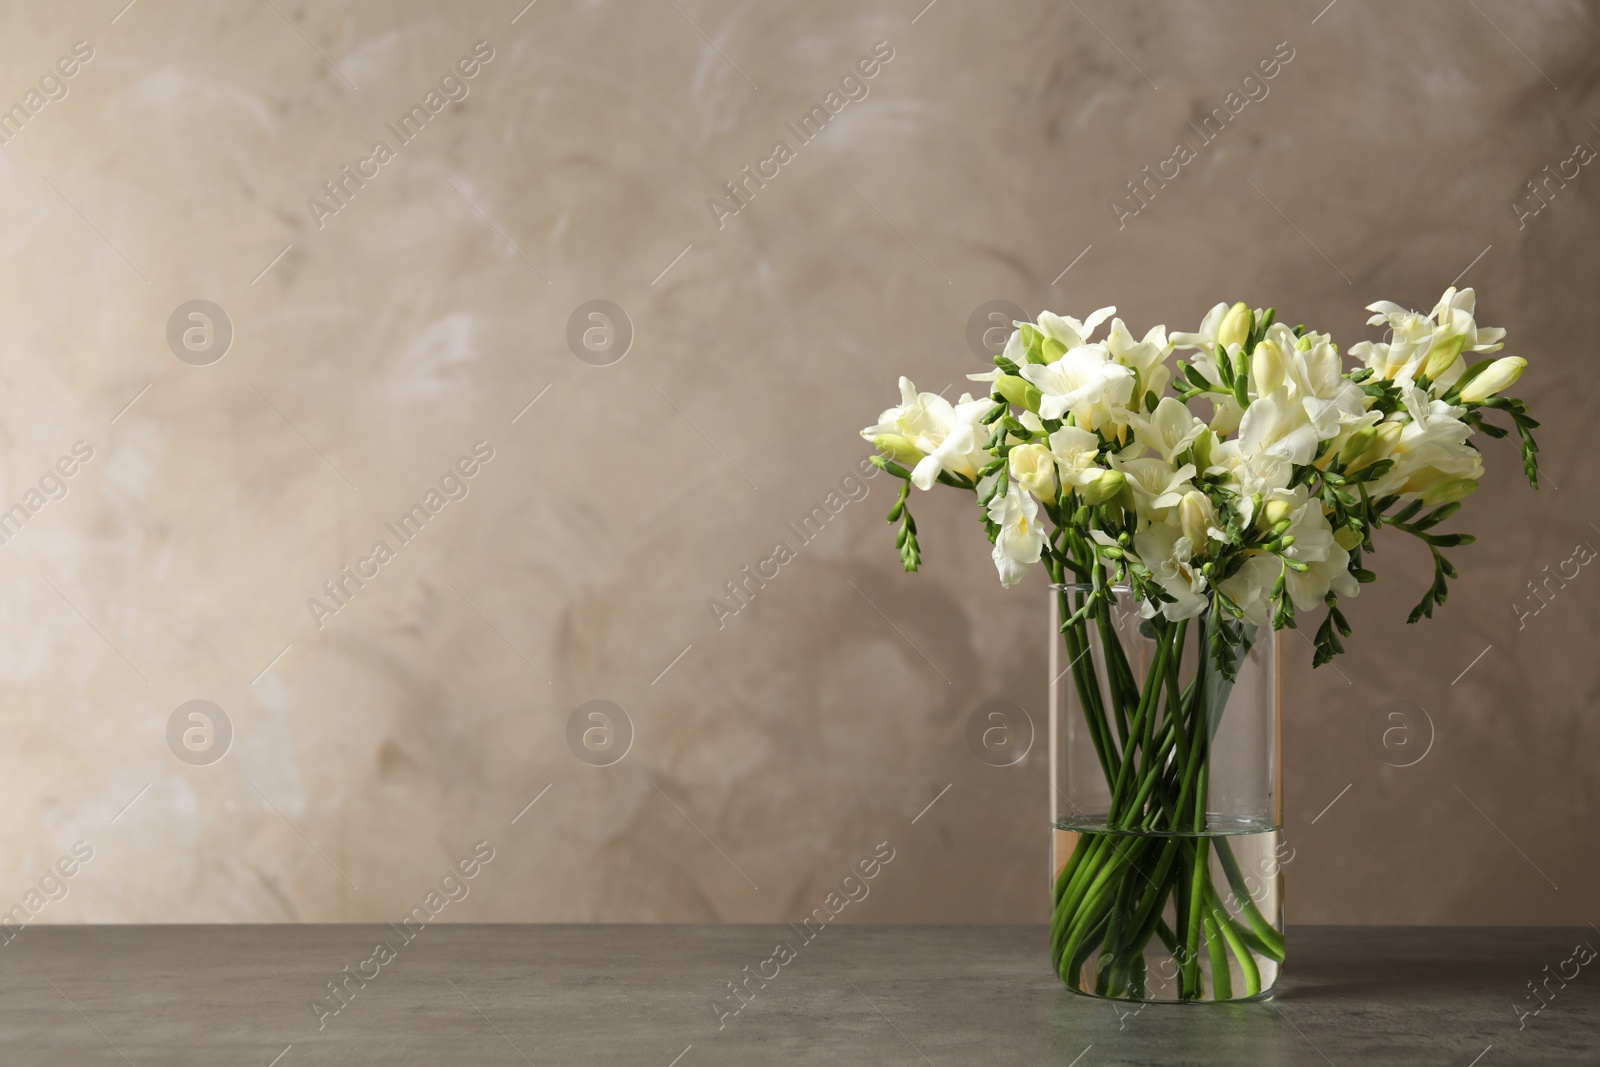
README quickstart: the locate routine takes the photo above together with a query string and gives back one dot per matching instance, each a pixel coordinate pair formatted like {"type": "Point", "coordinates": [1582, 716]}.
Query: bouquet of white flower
{"type": "Point", "coordinates": [1263, 509]}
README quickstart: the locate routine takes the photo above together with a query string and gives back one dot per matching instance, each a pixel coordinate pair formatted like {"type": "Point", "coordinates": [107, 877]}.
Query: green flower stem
{"type": "Point", "coordinates": [1093, 713]}
{"type": "Point", "coordinates": [1097, 899]}
{"type": "Point", "coordinates": [1247, 963]}
{"type": "Point", "coordinates": [1189, 966]}
{"type": "Point", "coordinates": [1078, 653]}
{"type": "Point", "coordinates": [1067, 909]}
{"type": "Point", "coordinates": [1070, 868]}
{"type": "Point", "coordinates": [1152, 690]}
{"type": "Point", "coordinates": [1174, 700]}
{"type": "Point", "coordinates": [1221, 977]}
{"type": "Point", "coordinates": [1168, 938]}
{"type": "Point", "coordinates": [1119, 678]}
{"type": "Point", "coordinates": [1165, 742]}
{"type": "Point", "coordinates": [1074, 963]}
{"type": "Point", "coordinates": [1263, 930]}
{"type": "Point", "coordinates": [1161, 887]}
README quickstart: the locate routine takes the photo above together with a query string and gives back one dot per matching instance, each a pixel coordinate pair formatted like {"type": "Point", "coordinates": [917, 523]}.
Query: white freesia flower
{"type": "Point", "coordinates": [961, 450]}
{"type": "Point", "coordinates": [1015, 350]}
{"type": "Point", "coordinates": [1251, 474]}
{"type": "Point", "coordinates": [950, 435]}
{"type": "Point", "coordinates": [1204, 339]}
{"type": "Point", "coordinates": [1156, 485]}
{"type": "Point", "coordinates": [1277, 425]}
{"type": "Point", "coordinates": [1169, 555]}
{"type": "Point", "coordinates": [1169, 429]}
{"type": "Point", "coordinates": [1197, 518]}
{"type": "Point", "coordinates": [1449, 330]}
{"type": "Point", "coordinates": [1034, 468]}
{"type": "Point", "coordinates": [922, 418]}
{"type": "Point", "coordinates": [1316, 374]}
{"type": "Point", "coordinates": [1407, 326]}
{"type": "Point", "coordinates": [1454, 315]}
{"type": "Point", "coordinates": [1077, 454]}
{"type": "Point", "coordinates": [1314, 545]}
{"type": "Point", "coordinates": [1080, 380]}
{"type": "Point", "coordinates": [1070, 331]}
{"type": "Point", "coordinates": [1311, 369]}
{"type": "Point", "coordinates": [1432, 447]}
{"type": "Point", "coordinates": [1146, 357]}
{"type": "Point", "coordinates": [1021, 538]}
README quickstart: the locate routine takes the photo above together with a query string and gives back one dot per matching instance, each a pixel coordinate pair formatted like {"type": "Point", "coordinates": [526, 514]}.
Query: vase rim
{"type": "Point", "coordinates": [1120, 588]}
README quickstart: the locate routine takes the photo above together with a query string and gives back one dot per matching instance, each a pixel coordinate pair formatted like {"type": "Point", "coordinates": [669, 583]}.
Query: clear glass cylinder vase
{"type": "Point", "coordinates": [1166, 846]}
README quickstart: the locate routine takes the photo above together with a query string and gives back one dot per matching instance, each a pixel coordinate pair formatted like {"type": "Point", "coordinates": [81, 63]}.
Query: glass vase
{"type": "Point", "coordinates": [1166, 847]}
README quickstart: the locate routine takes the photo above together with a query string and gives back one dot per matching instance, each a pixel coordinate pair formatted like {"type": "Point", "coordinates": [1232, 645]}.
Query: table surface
{"type": "Point", "coordinates": [488, 994]}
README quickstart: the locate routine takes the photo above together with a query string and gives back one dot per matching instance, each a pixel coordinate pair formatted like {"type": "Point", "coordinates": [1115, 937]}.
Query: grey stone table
{"type": "Point", "coordinates": [259, 996]}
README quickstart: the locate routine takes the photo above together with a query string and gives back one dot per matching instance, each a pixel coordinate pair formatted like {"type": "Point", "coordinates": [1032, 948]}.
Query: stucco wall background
{"type": "Point", "coordinates": [374, 347]}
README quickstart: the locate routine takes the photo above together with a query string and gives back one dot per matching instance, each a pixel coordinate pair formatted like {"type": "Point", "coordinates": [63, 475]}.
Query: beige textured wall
{"type": "Point", "coordinates": [786, 743]}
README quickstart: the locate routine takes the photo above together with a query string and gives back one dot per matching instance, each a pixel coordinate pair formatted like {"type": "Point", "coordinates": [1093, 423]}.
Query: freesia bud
{"type": "Point", "coordinates": [1235, 327]}
{"type": "Point", "coordinates": [1495, 377]}
{"type": "Point", "coordinates": [1442, 356]}
{"type": "Point", "coordinates": [1018, 391]}
{"type": "Point", "coordinates": [1034, 468]}
{"type": "Point", "coordinates": [1103, 488]}
{"type": "Point", "coordinates": [1266, 368]}
{"type": "Point", "coordinates": [1347, 538]}
{"type": "Point", "coordinates": [898, 448]}
{"type": "Point", "coordinates": [1385, 436]}
{"type": "Point", "coordinates": [1196, 516]}
{"type": "Point", "coordinates": [1274, 512]}
{"type": "Point", "coordinates": [1052, 349]}
{"type": "Point", "coordinates": [1447, 492]}
{"type": "Point", "coordinates": [1358, 443]}
{"type": "Point", "coordinates": [1202, 450]}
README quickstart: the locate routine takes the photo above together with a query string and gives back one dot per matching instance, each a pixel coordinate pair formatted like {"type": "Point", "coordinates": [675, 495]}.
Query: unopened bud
{"type": "Point", "coordinates": [1196, 516]}
{"type": "Point", "coordinates": [1103, 488]}
{"type": "Point", "coordinates": [1449, 491]}
{"type": "Point", "coordinates": [1266, 368]}
{"type": "Point", "coordinates": [1018, 391]}
{"type": "Point", "coordinates": [1202, 450]}
{"type": "Point", "coordinates": [1385, 436]}
{"type": "Point", "coordinates": [1275, 511]}
{"type": "Point", "coordinates": [1235, 327]}
{"type": "Point", "coordinates": [898, 448]}
{"type": "Point", "coordinates": [1442, 356]}
{"type": "Point", "coordinates": [1496, 376]}
{"type": "Point", "coordinates": [1358, 443]}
